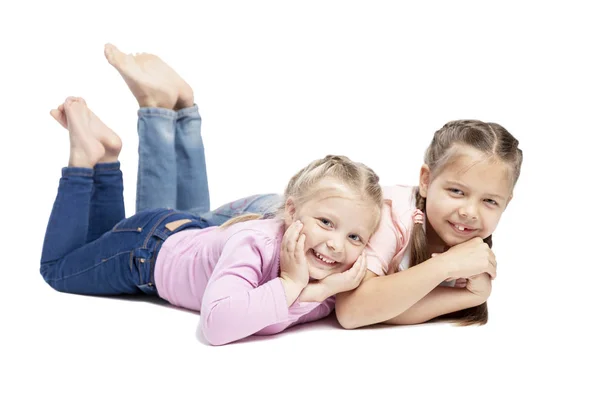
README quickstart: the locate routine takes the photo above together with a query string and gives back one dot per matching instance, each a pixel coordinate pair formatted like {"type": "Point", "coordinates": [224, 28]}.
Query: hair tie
{"type": "Point", "coordinates": [418, 217]}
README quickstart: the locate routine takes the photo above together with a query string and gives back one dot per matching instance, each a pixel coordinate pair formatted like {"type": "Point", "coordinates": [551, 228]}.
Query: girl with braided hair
{"type": "Point", "coordinates": [430, 258]}
{"type": "Point", "coordinates": [254, 275]}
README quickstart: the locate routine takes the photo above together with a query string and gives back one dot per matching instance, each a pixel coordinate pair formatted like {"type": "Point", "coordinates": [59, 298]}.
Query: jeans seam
{"type": "Point", "coordinates": [87, 269]}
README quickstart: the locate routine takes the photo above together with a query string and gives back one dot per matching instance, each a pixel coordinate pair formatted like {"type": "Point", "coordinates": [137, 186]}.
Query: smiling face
{"type": "Point", "coordinates": [466, 198]}
{"type": "Point", "coordinates": [337, 225]}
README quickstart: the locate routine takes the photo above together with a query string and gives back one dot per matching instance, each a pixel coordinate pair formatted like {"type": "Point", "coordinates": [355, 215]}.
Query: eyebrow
{"type": "Point", "coordinates": [452, 182]}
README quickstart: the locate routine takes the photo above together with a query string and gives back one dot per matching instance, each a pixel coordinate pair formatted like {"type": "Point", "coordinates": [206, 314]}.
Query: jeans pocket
{"type": "Point", "coordinates": [135, 223]}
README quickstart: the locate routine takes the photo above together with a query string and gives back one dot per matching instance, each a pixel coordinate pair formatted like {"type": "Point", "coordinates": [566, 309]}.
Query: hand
{"type": "Point", "coordinates": [468, 259]}
{"type": "Point", "coordinates": [480, 285]}
{"type": "Point", "coordinates": [347, 280]}
{"type": "Point", "coordinates": [460, 283]}
{"type": "Point", "coordinates": [292, 258]}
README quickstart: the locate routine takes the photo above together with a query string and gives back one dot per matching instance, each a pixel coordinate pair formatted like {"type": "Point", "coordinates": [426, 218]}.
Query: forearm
{"type": "Point", "coordinates": [381, 298]}
{"type": "Point", "coordinates": [229, 314]}
{"type": "Point", "coordinates": [291, 289]}
{"type": "Point", "coordinates": [440, 301]}
{"type": "Point", "coordinates": [315, 292]}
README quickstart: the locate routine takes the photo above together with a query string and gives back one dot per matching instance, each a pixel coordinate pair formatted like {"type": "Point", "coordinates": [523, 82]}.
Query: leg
{"type": "Point", "coordinates": [66, 252]}
{"type": "Point", "coordinates": [192, 181]}
{"type": "Point", "coordinates": [266, 204]}
{"type": "Point", "coordinates": [159, 91]}
{"type": "Point", "coordinates": [106, 207]}
{"type": "Point", "coordinates": [157, 168]}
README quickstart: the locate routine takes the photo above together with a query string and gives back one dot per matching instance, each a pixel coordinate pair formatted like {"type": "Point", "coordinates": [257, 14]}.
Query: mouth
{"type": "Point", "coordinates": [463, 230]}
{"type": "Point", "coordinates": [322, 260]}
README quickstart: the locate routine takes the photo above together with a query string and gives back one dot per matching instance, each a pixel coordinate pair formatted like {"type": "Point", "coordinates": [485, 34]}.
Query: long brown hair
{"type": "Point", "coordinates": [489, 138]}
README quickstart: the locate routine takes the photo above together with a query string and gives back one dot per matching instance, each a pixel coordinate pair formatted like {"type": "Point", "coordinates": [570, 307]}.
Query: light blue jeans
{"type": "Point", "coordinates": [172, 168]}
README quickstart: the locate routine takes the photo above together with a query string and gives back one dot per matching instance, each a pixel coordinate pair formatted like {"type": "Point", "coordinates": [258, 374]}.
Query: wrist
{"type": "Point", "coordinates": [442, 268]}
{"type": "Point", "coordinates": [314, 292]}
{"type": "Point", "coordinates": [292, 289]}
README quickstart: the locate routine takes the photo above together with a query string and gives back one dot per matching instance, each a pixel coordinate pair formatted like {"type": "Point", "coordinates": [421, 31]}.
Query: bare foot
{"type": "Point", "coordinates": [92, 141]}
{"type": "Point", "coordinates": [150, 79]}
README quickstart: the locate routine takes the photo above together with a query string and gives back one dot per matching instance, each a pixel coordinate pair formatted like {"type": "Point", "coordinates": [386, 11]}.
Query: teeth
{"type": "Point", "coordinates": [460, 228]}
{"type": "Point", "coordinates": [322, 258]}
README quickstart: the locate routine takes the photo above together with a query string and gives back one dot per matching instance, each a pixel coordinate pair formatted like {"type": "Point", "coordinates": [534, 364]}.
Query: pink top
{"type": "Point", "coordinates": [231, 277]}
{"type": "Point", "coordinates": [390, 241]}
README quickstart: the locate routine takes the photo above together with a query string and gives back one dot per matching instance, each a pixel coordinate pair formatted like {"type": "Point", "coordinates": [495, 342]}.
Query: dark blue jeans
{"type": "Point", "coordinates": [90, 248]}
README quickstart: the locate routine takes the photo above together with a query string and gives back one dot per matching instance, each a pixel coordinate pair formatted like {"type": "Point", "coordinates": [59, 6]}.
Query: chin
{"type": "Point", "coordinates": [317, 273]}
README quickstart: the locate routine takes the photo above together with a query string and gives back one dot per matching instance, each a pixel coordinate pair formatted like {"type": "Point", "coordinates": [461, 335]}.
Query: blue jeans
{"type": "Point", "coordinates": [89, 246]}
{"type": "Point", "coordinates": [172, 168]}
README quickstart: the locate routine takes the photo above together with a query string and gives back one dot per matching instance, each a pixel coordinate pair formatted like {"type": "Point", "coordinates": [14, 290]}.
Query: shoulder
{"type": "Point", "coordinates": [400, 202]}
{"type": "Point", "coordinates": [263, 234]}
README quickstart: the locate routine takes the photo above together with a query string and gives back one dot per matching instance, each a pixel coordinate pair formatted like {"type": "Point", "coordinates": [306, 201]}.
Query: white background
{"type": "Point", "coordinates": [279, 84]}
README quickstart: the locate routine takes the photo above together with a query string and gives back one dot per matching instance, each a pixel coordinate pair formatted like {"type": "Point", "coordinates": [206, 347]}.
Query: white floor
{"type": "Point", "coordinates": [279, 85]}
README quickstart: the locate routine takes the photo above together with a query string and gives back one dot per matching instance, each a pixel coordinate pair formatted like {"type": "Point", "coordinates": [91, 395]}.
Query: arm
{"type": "Point", "coordinates": [234, 306]}
{"type": "Point", "coordinates": [440, 301]}
{"type": "Point", "coordinates": [315, 292]}
{"type": "Point", "coordinates": [381, 298]}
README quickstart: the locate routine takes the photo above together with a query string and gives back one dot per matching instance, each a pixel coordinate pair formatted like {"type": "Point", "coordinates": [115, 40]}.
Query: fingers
{"type": "Point", "coordinates": [363, 267]}
{"type": "Point", "coordinates": [290, 237]}
{"type": "Point", "coordinates": [492, 270]}
{"type": "Point", "coordinates": [299, 253]}
{"type": "Point", "coordinates": [460, 283]}
{"type": "Point", "coordinates": [356, 274]}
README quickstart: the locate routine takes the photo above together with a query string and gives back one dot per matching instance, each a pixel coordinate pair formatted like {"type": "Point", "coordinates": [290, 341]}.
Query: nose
{"type": "Point", "coordinates": [335, 243]}
{"type": "Point", "coordinates": [469, 210]}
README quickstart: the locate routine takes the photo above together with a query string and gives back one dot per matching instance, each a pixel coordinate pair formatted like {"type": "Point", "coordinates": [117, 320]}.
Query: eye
{"type": "Point", "coordinates": [325, 222]}
{"type": "Point", "coordinates": [456, 191]}
{"type": "Point", "coordinates": [492, 202]}
{"type": "Point", "coordinates": [355, 238]}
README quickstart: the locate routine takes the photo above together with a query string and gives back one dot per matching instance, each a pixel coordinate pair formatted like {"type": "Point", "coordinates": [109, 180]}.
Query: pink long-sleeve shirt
{"type": "Point", "coordinates": [231, 277]}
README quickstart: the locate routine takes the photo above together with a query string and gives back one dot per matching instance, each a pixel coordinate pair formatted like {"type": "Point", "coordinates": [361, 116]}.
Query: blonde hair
{"type": "Point", "coordinates": [490, 139]}
{"type": "Point", "coordinates": [356, 176]}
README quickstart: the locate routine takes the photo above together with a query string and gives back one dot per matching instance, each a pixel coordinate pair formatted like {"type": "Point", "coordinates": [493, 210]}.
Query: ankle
{"type": "Point", "coordinates": [148, 102]}
{"type": "Point", "coordinates": [184, 103]}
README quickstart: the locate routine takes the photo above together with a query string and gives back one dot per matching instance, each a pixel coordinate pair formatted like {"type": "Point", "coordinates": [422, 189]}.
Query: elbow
{"type": "Point", "coordinates": [346, 319]}
{"type": "Point", "coordinates": [216, 329]}
{"type": "Point", "coordinates": [213, 334]}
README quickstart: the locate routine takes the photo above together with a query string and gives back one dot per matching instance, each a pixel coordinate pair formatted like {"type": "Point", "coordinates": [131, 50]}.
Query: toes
{"type": "Point", "coordinates": [59, 117]}
{"type": "Point", "coordinates": [109, 51]}
{"type": "Point", "coordinates": [113, 54]}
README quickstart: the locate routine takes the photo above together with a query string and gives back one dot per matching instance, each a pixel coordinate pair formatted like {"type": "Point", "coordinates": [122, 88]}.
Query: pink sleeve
{"type": "Point", "coordinates": [300, 313]}
{"type": "Point", "coordinates": [383, 245]}
{"type": "Point", "coordinates": [321, 311]}
{"type": "Point", "coordinates": [234, 306]}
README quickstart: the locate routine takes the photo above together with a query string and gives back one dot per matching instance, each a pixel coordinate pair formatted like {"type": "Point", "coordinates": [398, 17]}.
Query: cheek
{"type": "Point", "coordinates": [312, 237]}
{"type": "Point", "coordinates": [352, 253]}
{"type": "Point", "coordinates": [490, 221]}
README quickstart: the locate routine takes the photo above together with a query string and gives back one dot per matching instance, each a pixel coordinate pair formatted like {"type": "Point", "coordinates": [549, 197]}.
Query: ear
{"type": "Point", "coordinates": [424, 177]}
{"type": "Point", "coordinates": [289, 214]}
